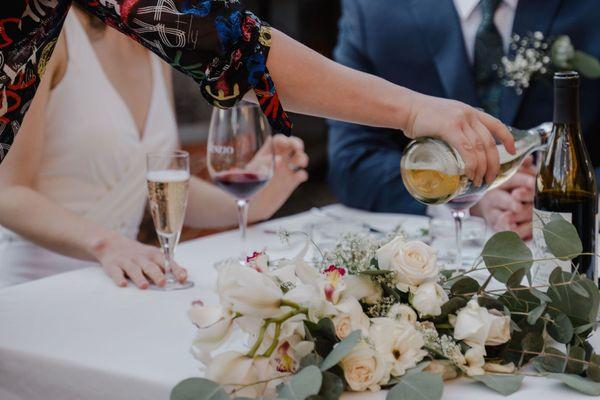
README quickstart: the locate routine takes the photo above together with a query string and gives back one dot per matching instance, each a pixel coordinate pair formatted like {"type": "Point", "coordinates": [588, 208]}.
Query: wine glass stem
{"type": "Point", "coordinates": [242, 206]}
{"type": "Point", "coordinates": [458, 227]}
{"type": "Point", "coordinates": [168, 248]}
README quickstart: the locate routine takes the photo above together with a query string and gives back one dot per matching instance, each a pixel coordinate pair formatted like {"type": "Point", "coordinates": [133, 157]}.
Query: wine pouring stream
{"type": "Point", "coordinates": [433, 173]}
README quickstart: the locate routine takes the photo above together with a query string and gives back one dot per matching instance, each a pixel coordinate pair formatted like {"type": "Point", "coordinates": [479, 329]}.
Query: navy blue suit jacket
{"type": "Point", "coordinates": [419, 44]}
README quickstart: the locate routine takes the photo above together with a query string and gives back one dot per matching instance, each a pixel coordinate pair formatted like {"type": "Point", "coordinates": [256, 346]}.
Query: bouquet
{"type": "Point", "coordinates": [369, 315]}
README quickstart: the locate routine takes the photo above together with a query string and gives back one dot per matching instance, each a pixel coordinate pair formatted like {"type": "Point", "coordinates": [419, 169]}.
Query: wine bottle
{"type": "Point", "coordinates": [433, 172]}
{"type": "Point", "coordinates": [566, 183]}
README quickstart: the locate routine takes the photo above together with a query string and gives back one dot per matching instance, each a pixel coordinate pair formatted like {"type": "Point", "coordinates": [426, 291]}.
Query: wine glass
{"type": "Point", "coordinates": [459, 207]}
{"type": "Point", "coordinates": [168, 177]}
{"type": "Point", "coordinates": [240, 155]}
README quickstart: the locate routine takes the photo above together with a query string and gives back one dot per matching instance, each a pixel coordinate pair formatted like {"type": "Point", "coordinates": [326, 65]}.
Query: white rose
{"type": "Point", "coordinates": [350, 318]}
{"type": "Point", "coordinates": [476, 326]}
{"type": "Point", "coordinates": [403, 312]}
{"type": "Point", "coordinates": [428, 299]}
{"type": "Point", "coordinates": [499, 329]}
{"type": "Point", "coordinates": [414, 262]}
{"type": "Point", "coordinates": [364, 369]}
{"type": "Point", "coordinates": [245, 291]}
{"type": "Point", "coordinates": [444, 368]}
{"type": "Point", "coordinates": [363, 288]}
{"type": "Point", "coordinates": [475, 360]}
{"type": "Point", "coordinates": [399, 343]}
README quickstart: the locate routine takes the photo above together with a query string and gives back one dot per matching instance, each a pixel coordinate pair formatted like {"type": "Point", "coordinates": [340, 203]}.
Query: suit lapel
{"type": "Point", "coordinates": [439, 23]}
{"type": "Point", "coordinates": [531, 16]}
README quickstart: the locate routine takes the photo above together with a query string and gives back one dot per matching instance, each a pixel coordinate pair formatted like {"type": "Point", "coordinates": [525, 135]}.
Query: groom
{"type": "Point", "coordinates": [449, 48]}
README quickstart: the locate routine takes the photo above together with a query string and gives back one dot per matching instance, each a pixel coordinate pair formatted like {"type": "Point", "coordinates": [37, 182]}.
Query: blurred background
{"type": "Point", "coordinates": [312, 22]}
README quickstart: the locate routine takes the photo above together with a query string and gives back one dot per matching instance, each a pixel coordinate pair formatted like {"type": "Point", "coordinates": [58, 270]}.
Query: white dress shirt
{"type": "Point", "coordinates": [469, 12]}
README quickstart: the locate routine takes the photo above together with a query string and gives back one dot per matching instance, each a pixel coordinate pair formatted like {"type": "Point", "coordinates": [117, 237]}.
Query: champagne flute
{"type": "Point", "coordinates": [240, 155]}
{"type": "Point", "coordinates": [168, 177]}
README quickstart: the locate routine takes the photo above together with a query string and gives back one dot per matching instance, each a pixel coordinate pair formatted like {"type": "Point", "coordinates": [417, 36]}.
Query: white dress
{"type": "Point", "coordinates": [93, 161]}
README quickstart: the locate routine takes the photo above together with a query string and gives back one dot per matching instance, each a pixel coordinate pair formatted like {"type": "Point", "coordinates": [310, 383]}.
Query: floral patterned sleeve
{"type": "Point", "coordinates": [216, 42]}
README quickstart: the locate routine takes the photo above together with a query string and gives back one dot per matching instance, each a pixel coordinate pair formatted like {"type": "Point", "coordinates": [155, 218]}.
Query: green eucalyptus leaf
{"type": "Point", "coordinates": [543, 297]}
{"type": "Point", "coordinates": [323, 334]}
{"type": "Point", "coordinates": [305, 383]}
{"type": "Point", "coordinates": [332, 387]}
{"type": "Point", "coordinates": [506, 253]}
{"type": "Point", "coordinates": [561, 328]}
{"type": "Point", "coordinates": [582, 328]}
{"type": "Point", "coordinates": [580, 309]}
{"type": "Point", "coordinates": [562, 238]}
{"type": "Point", "coordinates": [593, 371]}
{"type": "Point", "coordinates": [535, 314]}
{"type": "Point", "coordinates": [503, 384]}
{"type": "Point", "coordinates": [464, 286]}
{"type": "Point", "coordinates": [516, 278]}
{"type": "Point", "coordinates": [453, 305]}
{"type": "Point", "coordinates": [552, 360]}
{"type": "Point", "coordinates": [198, 389]}
{"type": "Point", "coordinates": [580, 290]}
{"type": "Point", "coordinates": [586, 64]}
{"type": "Point", "coordinates": [310, 359]}
{"type": "Point", "coordinates": [533, 342]}
{"type": "Point", "coordinates": [341, 350]}
{"type": "Point", "coordinates": [576, 362]}
{"type": "Point", "coordinates": [418, 386]}
{"type": "Point", "coordinates": [491, 304]}
{"type": "Point", "coordinates": [578, 383]}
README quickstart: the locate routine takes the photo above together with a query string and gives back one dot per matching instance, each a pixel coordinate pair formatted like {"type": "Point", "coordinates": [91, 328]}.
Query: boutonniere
{"type": "Point", "coordinates": [535, 57]}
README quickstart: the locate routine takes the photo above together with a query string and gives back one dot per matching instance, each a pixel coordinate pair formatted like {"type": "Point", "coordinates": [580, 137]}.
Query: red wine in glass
{"type": "Point", "coordinates": [240, 184]}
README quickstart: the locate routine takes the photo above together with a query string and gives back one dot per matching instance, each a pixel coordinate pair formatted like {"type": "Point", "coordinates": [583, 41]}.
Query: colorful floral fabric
{"type": "Point", "coordinates": [223, 47]}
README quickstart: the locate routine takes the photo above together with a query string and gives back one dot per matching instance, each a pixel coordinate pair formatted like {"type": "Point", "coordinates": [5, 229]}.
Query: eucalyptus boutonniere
{"type": "Point", "coordinates": [534, 57]}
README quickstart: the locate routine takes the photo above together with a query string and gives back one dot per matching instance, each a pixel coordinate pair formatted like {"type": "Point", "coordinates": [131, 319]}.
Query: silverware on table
{"type": "Point", "coordinates": [325, 213]}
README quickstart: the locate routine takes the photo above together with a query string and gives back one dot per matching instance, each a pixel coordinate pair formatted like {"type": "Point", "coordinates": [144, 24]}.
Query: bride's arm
{"type": "Point", "coordinates": [42, 221]}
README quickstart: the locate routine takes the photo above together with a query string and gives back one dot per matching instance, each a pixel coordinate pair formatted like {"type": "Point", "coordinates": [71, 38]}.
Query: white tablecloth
{"type": "Point", "coordinates": [77, 336]}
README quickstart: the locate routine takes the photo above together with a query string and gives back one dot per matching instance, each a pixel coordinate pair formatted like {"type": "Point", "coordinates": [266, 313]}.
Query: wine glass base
{"type": "Point", "coordinates": [172, 285]}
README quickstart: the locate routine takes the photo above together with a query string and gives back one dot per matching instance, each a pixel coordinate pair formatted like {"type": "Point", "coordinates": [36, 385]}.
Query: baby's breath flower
{"type": "Point", "coordinates": [530, 59]}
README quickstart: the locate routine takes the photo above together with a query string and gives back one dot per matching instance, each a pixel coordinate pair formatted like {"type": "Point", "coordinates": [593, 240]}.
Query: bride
{"type": "Point", "coordinates": [73, 191]}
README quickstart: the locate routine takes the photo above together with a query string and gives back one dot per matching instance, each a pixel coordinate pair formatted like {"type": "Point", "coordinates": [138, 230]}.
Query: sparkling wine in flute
{"type": "Point", "coordinates": [566, 184]}
{"type": "Point", "coordinates": [167, 191]}
{"type": "Point", "coordinates": [433, 172]}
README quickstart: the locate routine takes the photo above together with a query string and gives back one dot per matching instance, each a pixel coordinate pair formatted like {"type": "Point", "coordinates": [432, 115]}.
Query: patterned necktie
{"type": "Point", "coordinates": [489, 50]}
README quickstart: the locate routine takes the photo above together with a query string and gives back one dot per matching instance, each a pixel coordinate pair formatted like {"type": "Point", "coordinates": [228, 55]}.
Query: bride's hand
{"type": "Point", "coordinates": [290, 162]}
{"type": "Point", "coordinates": [465, 128]}
{"type": "Point", "coordinates": [123, 258]}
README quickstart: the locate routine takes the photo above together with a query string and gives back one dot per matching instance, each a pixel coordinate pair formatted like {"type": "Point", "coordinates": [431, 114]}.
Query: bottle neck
{"type": "Point", "coordinates": [566, 106]}
{"type": "Point", "coordinates": [528, 141]}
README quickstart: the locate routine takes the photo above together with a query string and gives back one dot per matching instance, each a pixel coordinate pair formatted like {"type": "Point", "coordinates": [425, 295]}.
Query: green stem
{"type": "Point", "coordinates": [273, 346]}
{"type": "Point", "coordinates": [279, 320]}
{"type": "Point", "coordinates": [521, 262]}
{"type": "Point", "coordinates": [289, 303]}
{"type": "Point", "coordinates": [259, 340]}
{"type": "Point", "coordinates": [485, 284]}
